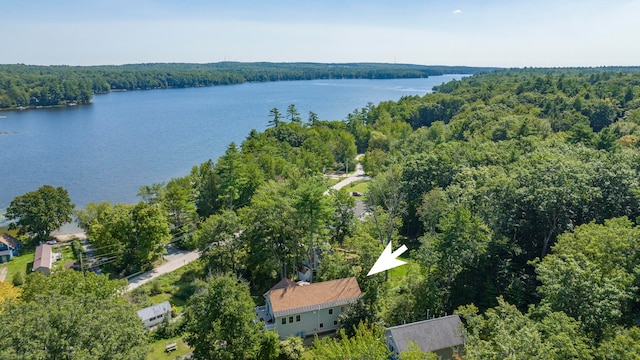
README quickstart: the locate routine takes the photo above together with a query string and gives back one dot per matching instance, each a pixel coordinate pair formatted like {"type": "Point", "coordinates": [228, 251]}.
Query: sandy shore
{"type": "Point", "coordinates": [67, 237]}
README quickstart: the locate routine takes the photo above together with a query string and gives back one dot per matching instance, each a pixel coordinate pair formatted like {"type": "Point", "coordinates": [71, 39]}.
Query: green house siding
{"type": "Point", "coordinates": [308, 323]}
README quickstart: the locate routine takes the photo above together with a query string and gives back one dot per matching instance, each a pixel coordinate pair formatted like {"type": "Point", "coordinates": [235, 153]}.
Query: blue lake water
{"type": "Point", "coordinates": [107, 150]}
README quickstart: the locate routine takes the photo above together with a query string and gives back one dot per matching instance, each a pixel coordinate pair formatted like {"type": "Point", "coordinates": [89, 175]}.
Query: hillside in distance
{"type": "Point", "coordinates": [31, 86]}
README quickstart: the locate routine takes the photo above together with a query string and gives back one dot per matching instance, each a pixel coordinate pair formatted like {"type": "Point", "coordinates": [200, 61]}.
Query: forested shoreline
{"type": "Point", "coordinates": [31, 86]}
{"type": "Point", "coordinates": [516, 191]}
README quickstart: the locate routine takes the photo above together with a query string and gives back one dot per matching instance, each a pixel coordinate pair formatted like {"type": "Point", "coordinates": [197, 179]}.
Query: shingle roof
{"type": "Point", "coordinates": [154, 310]}
{"type": "Point", "coordinates": [42, 258]}
{"type": "Point", "coordinates": [295, 299]}
{"type": "Point", "coordinates": [284, 283]}
{"type": "Point", "coordinates": [430, 335]}
{"type": "Point", "coordinates": [9, 240]}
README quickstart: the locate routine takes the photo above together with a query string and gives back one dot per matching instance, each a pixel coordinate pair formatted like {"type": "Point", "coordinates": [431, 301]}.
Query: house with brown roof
{"type": "Point", "coordinates": [44, 259]}
{"type": "Point", "coordinates": [303, 309]}
{"type": "Point", "coordinates": [9, 247]}
{"type": "Point", "coordinates": [442, 336]}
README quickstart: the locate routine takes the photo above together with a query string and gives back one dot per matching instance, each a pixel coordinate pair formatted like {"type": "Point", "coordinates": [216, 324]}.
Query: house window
{"type": "Point", "coordinates": [341, 309]}
{"type": "Point", "coordinates": [335, 322]}
{"type": "Point", "coordinates": [284, 321]}
{"type": "Point", "coordinates": [297, 317]}
{"type": "Point", "coordinates": [290, 319]}
{"type": "Point", "coordinates": [321, 325]}
{"type": "Point", "coordinates": [330, 311]}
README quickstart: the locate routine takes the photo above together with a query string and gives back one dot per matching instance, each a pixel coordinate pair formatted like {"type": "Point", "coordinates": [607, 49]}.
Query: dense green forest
{"type": "Point", "coordinates": [521, 188]}
{"type": "Point", "coordinates": [517, 192]}
{"type": "Point", "coordinates": [32, 86]}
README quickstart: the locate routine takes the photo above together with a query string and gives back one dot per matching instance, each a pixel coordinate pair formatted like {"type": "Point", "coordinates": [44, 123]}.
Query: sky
{"type": "Point", "coordinates": [502, 33]}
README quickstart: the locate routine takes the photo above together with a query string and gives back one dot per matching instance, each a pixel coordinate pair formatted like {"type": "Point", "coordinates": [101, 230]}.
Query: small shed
{"type": "Point", "coordinates": [442, 336]}
{"type": "Point", "coordinates": [43, 259]}
{"type": "Point", "coordinates": [155, 314]}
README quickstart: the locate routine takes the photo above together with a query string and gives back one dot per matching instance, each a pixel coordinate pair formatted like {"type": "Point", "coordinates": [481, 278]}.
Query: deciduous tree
{"type": "Point", "coordinates": [130, 237]}
{"type": "Point", "coordinates": [71, 316]}
{"type": "Point", "coordinates": [220, 320]}
{"type": "Point", "coordinates": [218, 238]}
{"type": "Point", "coordinates": [367, 344]}
{"type": "Point", "coordinates": [41, 211]}
{"type": "Point", "coordinates": [462, 240]}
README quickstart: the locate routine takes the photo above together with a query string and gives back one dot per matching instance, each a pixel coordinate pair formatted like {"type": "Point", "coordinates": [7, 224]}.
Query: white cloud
{"type": "Point", "coordinates": [456, 12]}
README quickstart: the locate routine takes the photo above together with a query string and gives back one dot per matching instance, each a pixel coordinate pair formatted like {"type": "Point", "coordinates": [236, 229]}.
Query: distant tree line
{"type": "Point", "coordinates": [25, 86]}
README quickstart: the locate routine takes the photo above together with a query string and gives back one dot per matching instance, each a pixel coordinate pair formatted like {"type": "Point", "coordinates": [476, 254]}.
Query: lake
{"type": "Point", "coordinates": [123, 140]}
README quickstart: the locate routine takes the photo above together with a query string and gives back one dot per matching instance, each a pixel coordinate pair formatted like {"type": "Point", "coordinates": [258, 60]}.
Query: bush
{"type": "Point", "coordinates": [18, 279]}
{"type": "Point", "coordinates": [140, 296]}
{"type": "Point", "coordinates": [291, 348]}
{"type": "Point", "coordinates": [185, 292]}
{"type": "Point", "coordinates": [156, 289]}
{"type": "Point", "coordinates": [76, 247]}
{"type": "Point", "coordinates": [168, 329]}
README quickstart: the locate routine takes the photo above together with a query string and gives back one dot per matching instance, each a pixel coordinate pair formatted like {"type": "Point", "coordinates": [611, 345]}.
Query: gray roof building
{"type": "Point", "coordinates": [155, 314]}
{"type": "Point", "coordinates": [442, 336]}
{"type": "Point", "coordinates": [43, 259]}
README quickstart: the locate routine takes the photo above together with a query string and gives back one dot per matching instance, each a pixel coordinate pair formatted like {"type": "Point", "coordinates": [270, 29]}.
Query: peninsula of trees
{"type": "Point", "coordinates": [28, 86]}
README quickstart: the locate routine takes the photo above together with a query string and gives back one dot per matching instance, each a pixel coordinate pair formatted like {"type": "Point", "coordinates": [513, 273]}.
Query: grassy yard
{"type": "Point", "coordinates": [332, 181]}
{"type": "Point", "coordinates": [67, 255]}
{"type": "Point", "coordinates": [361, 186]}
{"type": "Point", "coordinates": [176, 287]}
{"type": "Point", "coordinates": [158, 350]}
{"type": "Point", "coordinates": [22, 263]}
{"type": "Point", "coordinates": [400, 272]}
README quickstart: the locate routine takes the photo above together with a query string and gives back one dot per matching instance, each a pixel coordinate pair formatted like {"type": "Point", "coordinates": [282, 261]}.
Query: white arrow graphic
{"type": "Point", "coordinates": [388, 260]}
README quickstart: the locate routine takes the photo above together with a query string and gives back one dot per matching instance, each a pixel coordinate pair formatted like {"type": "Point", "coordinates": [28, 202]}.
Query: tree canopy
{"type": "Point", "coordinates": [220, 321]}
{"type": "Point", "coordinates": [40, 211]}
{"type": "Point", "coordinates": [71, 316]}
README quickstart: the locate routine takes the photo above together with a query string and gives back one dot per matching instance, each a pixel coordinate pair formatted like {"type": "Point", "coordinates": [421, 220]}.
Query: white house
{"type": "Point", "coordinates": [442, 336]}
{"type": "Point", "coordinates": [304, 309]}
{"type": "Point", "coordinates": [155, 314]}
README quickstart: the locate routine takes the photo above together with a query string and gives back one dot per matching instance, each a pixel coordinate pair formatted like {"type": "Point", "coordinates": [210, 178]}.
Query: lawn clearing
{"type": "Point", "coordinates": [176, 287]}
{"type": "Point", "coordinates": [22, 263]}
{"type": "Point", "coordinates": [67, 255]}
{"type": "Point", "coordinates": [158, 349]}
{"type": "Point", "coordinates": [361, 186]}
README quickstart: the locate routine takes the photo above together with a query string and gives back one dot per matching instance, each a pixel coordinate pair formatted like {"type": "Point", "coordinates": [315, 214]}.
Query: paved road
{"type": "Point", "coordinates": [174, 260]}
{"type": "Point", "coordinates": [177, 259]}
{"type": "Point", "coordinates": [353, 177]}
